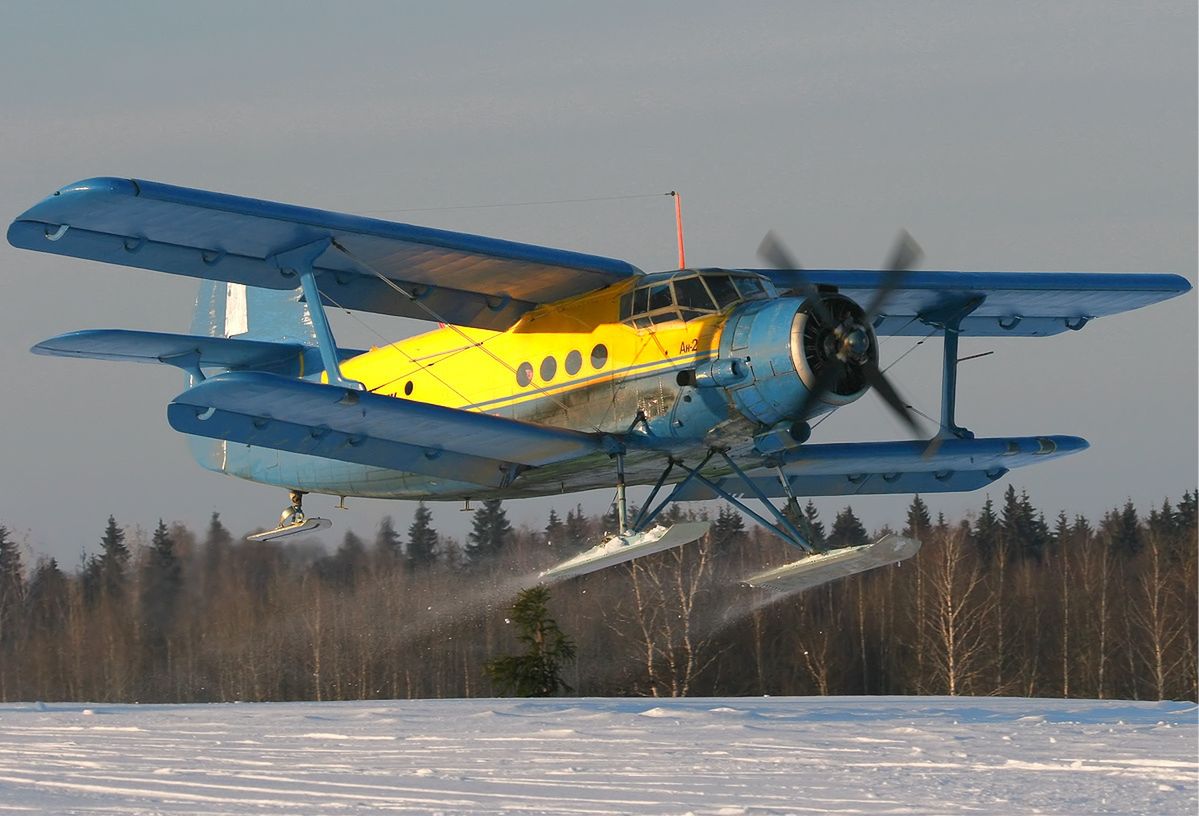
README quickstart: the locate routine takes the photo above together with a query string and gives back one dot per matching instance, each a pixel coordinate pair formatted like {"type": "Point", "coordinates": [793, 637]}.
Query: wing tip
{"type": "Point", "coordinates": [100, 184]}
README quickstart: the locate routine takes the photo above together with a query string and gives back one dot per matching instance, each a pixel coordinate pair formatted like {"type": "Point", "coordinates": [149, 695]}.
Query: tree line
{"type": "Point", "coordinates": [1003, 602]}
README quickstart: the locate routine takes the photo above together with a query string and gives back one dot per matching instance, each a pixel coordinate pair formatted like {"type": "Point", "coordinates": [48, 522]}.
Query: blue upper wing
{"type": "Point", "coordinates": [464, 279]}
{"type": "Point", "coordinates": [1006, 304]}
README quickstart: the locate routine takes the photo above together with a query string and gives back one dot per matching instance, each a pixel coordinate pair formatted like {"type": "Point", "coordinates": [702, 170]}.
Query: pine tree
{"type": "Point", "coordinates": [538, 671]}
{"type": "Point", "coordinates": [217, 544]}
{"type": "Point", "coordinates": [919, 523]}
{"type": "Point", "coordinates": [987, 531]}
{"type": "Point", "coordinates": [347, 565]}
{"type": "Point", "coordinates": [1126, 530]}
{"type": "Point", "coordinates": [114, 557]}
{"type": "Point", "coordinates": [555, 530]}
{"type": "Point", "coordinates": [490, 531]}
{"type": "Point", "coordinates": [811, 526]}
{"type": "Point", "coordinates": [1025, 533]}
{"type": "Point", "coordinates": [161, 581]}
{"type": "Point", "coordinates": [1061, 531]}
{"type": "Point", "coordinates": [12, 589]}
{"type": "Point", "coordinates": [729, 529]}
{"type": "Point", "coordinates": [610, 521]}
{"type": "Point", "coordinates": [422, 539]}
{"type": "Point", "coordinates": [47, 597]}
{"type": "Point", "coordinates": [1184, 517]}
{"type": "Point", "coordinates": [388, 546]}
{"type": "Point", "coordinates": [578, 533]}
{"type": "Point", "coordinates": [848, 531]}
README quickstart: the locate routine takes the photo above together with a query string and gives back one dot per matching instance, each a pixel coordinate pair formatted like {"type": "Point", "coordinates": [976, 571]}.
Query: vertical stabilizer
{"type": "Point", "coordinates": [248, 312]}
{"type": "Point", "coordinates": [236, 310]}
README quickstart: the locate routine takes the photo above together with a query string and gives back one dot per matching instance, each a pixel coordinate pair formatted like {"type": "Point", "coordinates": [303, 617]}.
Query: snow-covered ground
{"type": "Point", "coordinates": [589, 756]}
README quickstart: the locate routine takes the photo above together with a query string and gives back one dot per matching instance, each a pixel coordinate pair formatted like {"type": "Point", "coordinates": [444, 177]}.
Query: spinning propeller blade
{"type": "Point", "coordinates": [775, 252]}
{"type": "Point", "coordinates": [905, 253]}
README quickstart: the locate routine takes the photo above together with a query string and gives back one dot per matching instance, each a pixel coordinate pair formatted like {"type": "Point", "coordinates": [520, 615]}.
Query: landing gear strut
{"type": "Point", "coordinates": [292, 521]}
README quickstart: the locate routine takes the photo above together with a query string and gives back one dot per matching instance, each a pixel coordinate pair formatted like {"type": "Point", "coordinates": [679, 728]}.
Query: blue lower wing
{"type": "Point", "coordinates": [853, 468]}
{"type": "Point", "coordinates": [325, 420]}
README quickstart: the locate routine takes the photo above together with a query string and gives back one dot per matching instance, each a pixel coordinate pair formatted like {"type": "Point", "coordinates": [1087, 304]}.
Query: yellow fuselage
{"type": "Point", "coordinates": [569, 364]}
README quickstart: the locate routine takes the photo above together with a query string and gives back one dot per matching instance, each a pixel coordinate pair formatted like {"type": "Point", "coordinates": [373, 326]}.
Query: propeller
{"type": "Point", "coordinates": [849, 342]}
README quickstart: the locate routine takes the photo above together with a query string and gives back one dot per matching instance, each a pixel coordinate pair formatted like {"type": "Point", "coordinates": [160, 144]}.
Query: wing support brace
{"type": "Point", "coordinates": [299, 260]}
{"type": "Point", "coordinates": [949, 320]}
{"type": "Point", "coordinates": [788, 532]}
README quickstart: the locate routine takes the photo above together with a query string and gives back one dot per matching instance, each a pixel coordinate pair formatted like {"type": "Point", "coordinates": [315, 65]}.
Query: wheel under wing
{"type": "Point", "coordinates": [305, 417]}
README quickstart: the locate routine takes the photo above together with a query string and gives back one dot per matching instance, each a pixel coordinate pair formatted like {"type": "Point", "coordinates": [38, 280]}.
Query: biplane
{"type": "Point", "coordinates": [553, 371]}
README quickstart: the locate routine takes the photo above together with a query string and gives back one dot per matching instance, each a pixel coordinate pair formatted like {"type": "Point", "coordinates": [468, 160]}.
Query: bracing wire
{"type": "Point", "coordinates": [891, 365]}
{"type": "Point", "coordinates": [470, 341]}
{"type": "Point", "coordinates": [502, 204]}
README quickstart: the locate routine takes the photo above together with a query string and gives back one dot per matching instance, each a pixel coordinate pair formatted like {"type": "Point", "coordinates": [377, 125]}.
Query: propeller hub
{"type": "Point", "coordinates": [856, 344]}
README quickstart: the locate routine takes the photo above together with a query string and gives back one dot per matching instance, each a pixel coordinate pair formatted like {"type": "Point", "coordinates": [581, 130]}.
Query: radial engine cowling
{"type": "Point", "coordinates": [782, 349]}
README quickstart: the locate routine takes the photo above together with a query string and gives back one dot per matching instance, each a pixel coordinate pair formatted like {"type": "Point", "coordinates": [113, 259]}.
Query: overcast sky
{"type": "Point", "coordinates": [1004, 136]}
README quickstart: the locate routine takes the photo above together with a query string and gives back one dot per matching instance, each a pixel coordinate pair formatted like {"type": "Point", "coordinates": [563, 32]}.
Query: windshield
{"type": "Point", "coordinates": [687, 297]}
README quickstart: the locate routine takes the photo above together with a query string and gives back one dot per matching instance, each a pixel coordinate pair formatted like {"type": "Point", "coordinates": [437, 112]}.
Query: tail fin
{"type": "Point", "coordinates": [236, 310]}
{"type": "Point", "coordinates": [249, 313]}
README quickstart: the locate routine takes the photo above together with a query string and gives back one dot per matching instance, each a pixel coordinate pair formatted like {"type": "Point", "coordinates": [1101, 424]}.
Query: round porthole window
{"type": "Point", "coordinates": [549, 367]}
{"type": "Point", "coordinates": [573, 362]}
{"type": "Point", "coordinates": [599, 356]}
{"type": "Point", "coordinates": [524, 374]}
{"type": "Point", "coordinates": [408, 388]}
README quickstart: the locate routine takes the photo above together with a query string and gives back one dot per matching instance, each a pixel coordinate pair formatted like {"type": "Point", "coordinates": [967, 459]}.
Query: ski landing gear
{"type": "Point", "coordinates": [833, 564]}
{"type": "Point", "coordinates": [631, 542]}
{"type": "Point", "coordinates": [814, 569]}
{"type": "Point", "coordinates": [292, 521]}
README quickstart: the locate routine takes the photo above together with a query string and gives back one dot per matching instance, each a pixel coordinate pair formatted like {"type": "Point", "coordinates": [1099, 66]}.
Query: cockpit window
{"type": "Point", "coordinates": [748, 287]}
{"type": "Point", "coordinates": [659, 297]}
{"type": "Point", "coordinates": [691, 294]}
{"type": "Point", "coordinates": [687, 296]}
{"type": "Point", "coordinates": [723, 290]}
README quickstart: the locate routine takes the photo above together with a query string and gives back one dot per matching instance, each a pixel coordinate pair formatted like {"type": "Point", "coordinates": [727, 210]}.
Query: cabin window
{"type": "Point", "coordinates": [549, 367]}
{"type": "Point", "coordinates": [524, 374]}
{"type": "Point", "coordinates": [599, 356]}
{"type": "Point", "coordinates": [574, 361]}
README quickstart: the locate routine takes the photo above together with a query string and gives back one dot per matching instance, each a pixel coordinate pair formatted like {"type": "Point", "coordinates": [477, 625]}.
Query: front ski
{"type": "Point", "coordinates": [286, 530]}
{"type": "Point", "coordinates": [829, 566]}
{"type": "Point", "coordinates": [618, 549]}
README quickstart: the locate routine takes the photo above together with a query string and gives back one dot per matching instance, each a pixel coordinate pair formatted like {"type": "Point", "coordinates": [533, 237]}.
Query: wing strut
{"type": "Point", "coordinates": [950, 320]}
{"type": "Point", "coordinates": [781, 526]}
{"type": "Point", "coordinates": [299, 260]}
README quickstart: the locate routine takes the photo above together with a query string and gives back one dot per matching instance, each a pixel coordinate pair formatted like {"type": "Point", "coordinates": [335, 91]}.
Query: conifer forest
{"type": "Point", "coordinates": [1007, 601]}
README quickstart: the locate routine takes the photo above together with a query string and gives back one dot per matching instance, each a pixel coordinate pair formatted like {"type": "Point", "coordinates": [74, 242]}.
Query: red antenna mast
{"type": "Point", "coordinates": [678, 220]}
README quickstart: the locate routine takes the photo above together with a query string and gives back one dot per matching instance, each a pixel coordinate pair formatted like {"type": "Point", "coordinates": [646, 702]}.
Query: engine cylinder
{"type": "Point", "coordinates": [785, 348]}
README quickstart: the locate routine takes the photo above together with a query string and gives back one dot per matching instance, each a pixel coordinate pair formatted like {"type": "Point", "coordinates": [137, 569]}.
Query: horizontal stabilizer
{"type": "Point", "coordinates": [312, 418]}
{"type": "Point", "coordinates": [186, 351]}
{"type": "Point", "coordinates": [619, 549]}
{"type": "Point", "coordinates": [369, 265]}
{"type": "Point", "coordinates": [829, 566]}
